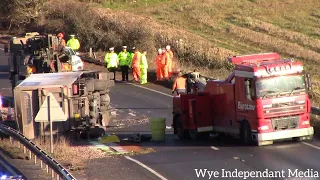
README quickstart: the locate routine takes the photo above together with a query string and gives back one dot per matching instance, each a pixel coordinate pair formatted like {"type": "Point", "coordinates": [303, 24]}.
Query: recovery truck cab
{"type": "Point", "coordinates": [264, 99]}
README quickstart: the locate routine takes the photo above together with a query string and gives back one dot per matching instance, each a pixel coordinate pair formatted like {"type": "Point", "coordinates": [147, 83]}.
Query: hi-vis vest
{"type": "Point", "coordinates": [124, 58]}
{"type": "Point", "coordinates": [111, 59]}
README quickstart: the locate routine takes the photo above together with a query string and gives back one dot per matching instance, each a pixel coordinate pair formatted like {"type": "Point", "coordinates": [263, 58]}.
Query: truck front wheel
{"type": "Point", "coordinates": [245, 133]}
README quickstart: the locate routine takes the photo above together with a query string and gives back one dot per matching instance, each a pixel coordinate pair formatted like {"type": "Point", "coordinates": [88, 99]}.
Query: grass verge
{"type": "Point", "coordinates": [69, 155]}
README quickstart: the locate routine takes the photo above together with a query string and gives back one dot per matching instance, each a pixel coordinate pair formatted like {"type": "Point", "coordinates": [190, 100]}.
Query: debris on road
{"type": "Point", "coordinates": [109, 139]}
{"type": "Point", "coordinates": [127, 122]}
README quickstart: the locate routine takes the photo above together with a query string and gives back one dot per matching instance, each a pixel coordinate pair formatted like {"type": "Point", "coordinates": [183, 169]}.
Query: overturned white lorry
{"type": "Point", "coordinates": [73, 101]}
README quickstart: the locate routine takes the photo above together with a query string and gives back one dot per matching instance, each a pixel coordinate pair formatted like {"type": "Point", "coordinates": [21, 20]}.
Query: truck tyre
{"type": "Point", "coordinates": [105, 118]}
{"type": "Point", "coordinates": [105, 91]}
{"type": "Point", "coordinates": [101, 85]}
{"type": "Point", "coordinates": [90, 85]}
{"type": "Point", "coordinates": [193, 134]}
{"type": "Point", "coordinates": [245, 133]}
{"type": "Point", "coordinates": [104, 108]}
{"type": "Point", "coordinates": [181, 132]}
{"type": "Point", "coordinates": [105, 98]}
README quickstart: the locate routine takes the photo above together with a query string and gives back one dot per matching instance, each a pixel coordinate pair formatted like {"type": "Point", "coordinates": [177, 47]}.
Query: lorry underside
{"type": "Point", "coordinates": [82, 96]}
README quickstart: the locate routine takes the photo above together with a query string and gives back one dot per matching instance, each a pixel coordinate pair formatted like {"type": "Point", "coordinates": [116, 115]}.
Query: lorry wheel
{"type": "Point", "coordinates": [181, 133]}
{"type": "Point", "coordinates": [105, 118]}
{"type": "Point", "coordinates": [101, 85]}
{"type": "Point", "coordinates": [193, 134]}
{"type": "Point", "coordinates": [245, 133]}
{"type": "Point", "coordinates": [90, 85]}
{"type": "Point", "coordinates": [105, 91]}
{"type": "Point", "coordinates": [105, 99]}
{"type": "Point", "coordinates": [104, 108]}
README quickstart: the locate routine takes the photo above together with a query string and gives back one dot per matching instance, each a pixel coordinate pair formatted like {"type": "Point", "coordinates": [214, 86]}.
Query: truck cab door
{"type": "Point", "coordinates": [245, 98]}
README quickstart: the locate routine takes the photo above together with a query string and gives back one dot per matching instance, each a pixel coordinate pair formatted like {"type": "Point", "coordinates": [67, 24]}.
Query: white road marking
{"type": "Point", "coordinates": [311, 145]}
{"type": "Point", "coordinates": [151, 90]}
{"type": "Point", "coordinates": [11, 171]}
{"type": "Point", "coordinates": [214, 148]}
{"type": "Point", "coordinates": [146, 167]}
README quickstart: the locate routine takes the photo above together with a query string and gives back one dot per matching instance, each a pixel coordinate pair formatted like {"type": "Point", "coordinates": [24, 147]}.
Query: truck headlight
{"type": "Point", "coordinates": [267, 106]}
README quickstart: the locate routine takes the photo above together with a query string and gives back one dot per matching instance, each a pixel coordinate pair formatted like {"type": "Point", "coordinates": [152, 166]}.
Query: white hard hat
{"type": "Point", "coordinates": [167, 47]}
{"type": "Point", "coordinates": [111, 49]}
{"type": "Point", "coordinates": [160, 50]}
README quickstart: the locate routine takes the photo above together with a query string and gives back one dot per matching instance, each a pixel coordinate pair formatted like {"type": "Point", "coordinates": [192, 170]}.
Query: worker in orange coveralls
{"type": "Point", "coordinates": [62, 42]}
{"type": "Point", "coordinates": [158, 64]}
{"type": "Point", "coordinates": [179, 85]}
{"type": "Point", "coordinates": [170, 60]}
{"type": "Point", "coordinates": [164, 64]}
{"type": "Point", "coordinates": [136, 65]}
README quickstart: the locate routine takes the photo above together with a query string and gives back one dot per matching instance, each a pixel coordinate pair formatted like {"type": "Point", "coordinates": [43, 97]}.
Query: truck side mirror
{"type": "Point", "coordinates": [309, 84]}
{"type": "Point", "coordinates": [247, 89]}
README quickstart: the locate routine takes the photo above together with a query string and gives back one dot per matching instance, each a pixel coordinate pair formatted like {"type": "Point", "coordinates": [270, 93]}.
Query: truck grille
{"type": "Point", "coordinates": [289, 122]}
{"type": "Point", "coordinates": [288, 108]}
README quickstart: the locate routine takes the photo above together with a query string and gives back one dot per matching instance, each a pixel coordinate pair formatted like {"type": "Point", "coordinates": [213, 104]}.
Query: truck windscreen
{"type": "Point", "coordinates": [280, 86]}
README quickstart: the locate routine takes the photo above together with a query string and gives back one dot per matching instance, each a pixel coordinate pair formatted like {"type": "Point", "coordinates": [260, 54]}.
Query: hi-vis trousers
{"type": "Point", "coordinates": [136, 73]}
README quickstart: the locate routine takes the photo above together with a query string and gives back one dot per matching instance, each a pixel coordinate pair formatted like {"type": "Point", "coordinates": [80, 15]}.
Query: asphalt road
{"type": "Point", "coordinates": [135, 105]}
{"type": "Point", "coordinates": [8, 171]}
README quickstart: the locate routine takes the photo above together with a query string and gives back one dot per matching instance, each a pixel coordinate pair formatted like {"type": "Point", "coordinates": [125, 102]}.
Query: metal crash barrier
{"type": "Point", "coordinates": [57, 170]}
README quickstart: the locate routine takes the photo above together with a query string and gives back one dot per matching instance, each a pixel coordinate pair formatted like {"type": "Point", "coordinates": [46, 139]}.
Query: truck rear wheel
{"type": "Point", "coordinates": [245, 133]}
{"type": "Point", "coordinates": [101, 85]}
{"type": "Point", "coordinates": [181, 132]}
{"type": "Point", "coordinates": [90, 85]}
{"type": "Point", "coordinates": [106, 118]}
{"type": "Point", "coordinates": [105, 100]}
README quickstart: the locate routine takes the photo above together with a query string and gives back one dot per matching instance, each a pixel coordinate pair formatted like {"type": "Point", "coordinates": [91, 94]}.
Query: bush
{"type": "Point", "coordinates": [17, 14]}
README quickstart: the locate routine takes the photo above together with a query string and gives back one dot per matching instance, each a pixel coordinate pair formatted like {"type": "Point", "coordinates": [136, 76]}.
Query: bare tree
{"type": "Point", "coordinates": [20, 13]}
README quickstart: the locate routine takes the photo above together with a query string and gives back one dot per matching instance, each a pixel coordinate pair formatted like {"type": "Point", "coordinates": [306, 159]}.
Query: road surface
{"type": "Point", "coordinates": [6, 170]}
{"type": "Point", "coordinates": [177, 159]}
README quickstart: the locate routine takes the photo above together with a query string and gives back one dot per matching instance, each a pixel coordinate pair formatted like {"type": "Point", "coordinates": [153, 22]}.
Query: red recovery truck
{"type": "Point", "coordinates": [264, 99]}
